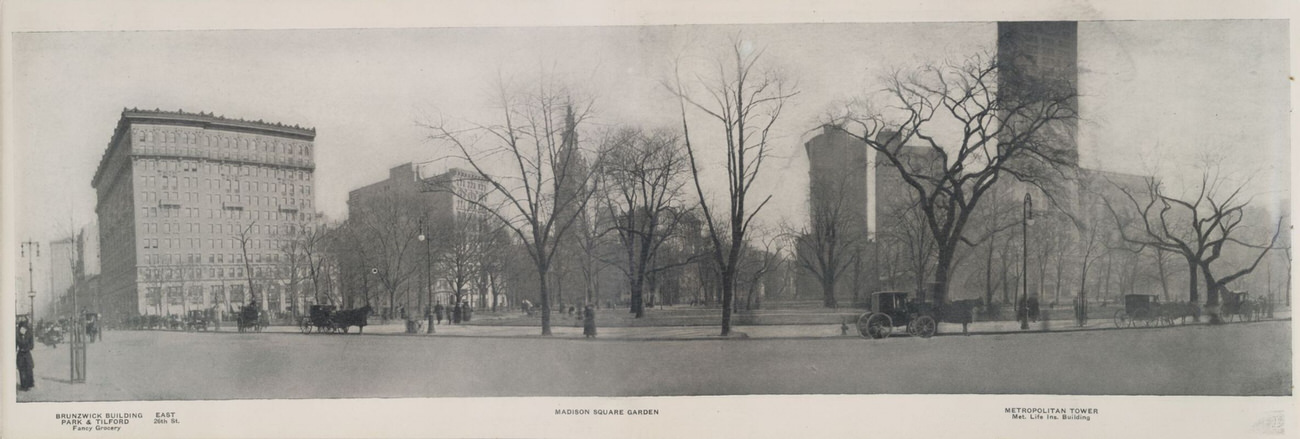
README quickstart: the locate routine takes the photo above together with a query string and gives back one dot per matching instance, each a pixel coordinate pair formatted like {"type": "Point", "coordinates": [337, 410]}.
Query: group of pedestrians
{"type": "Point", "coordinates": [455, 314]}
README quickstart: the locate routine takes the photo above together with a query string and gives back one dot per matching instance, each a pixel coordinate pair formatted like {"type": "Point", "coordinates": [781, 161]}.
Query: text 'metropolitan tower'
{"type": "Point", "coordinates": [178, 196]}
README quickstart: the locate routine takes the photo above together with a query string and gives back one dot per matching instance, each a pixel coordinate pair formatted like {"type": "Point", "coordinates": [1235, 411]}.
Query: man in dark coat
{"type": "Point", "coordinates": [589, 322]}
{"type": "Point", "coordinates": [455, 314]}
{"type": "Point", "coordinates": [438, 311]}
{"type": "Point", "coordinates": [25, 364]}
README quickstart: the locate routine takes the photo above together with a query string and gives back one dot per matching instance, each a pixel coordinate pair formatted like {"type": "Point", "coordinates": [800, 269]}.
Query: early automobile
{"type": "Point", "coordinates": [891, 309]}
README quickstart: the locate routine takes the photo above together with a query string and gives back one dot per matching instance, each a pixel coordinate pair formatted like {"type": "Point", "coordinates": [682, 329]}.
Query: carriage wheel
{"type": "Point", "coordinates": [862, 324]}
{"type": "Point", "coordinates": [925, 326]}
{"type": "Point", "coordinates": [1121, 319]}
{"type": "Point", "coordinates": [879, 326]}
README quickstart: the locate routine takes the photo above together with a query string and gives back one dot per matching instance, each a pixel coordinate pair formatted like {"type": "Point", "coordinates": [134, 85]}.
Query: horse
{"type": "Point", "coordinates": [352, 317]}
{"type": "Point", "coordinates": [248, 318]}
{"type": "Point", "coordinates": [960, 311]}
{"type": "Point", "coordinates": [1179, 310]}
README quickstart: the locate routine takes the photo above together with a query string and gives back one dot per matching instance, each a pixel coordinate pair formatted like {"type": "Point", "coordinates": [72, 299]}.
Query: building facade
{"type": "Point", "coordinates": [863, 199]}
{"type": "Point", "coordinates": [191, 206]}
{"type": "Point", "coordinates": [437, 199]}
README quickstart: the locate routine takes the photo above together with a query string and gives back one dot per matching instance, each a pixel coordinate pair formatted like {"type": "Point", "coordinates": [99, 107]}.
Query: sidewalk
{"type": "Point", "coordinates": [796, 331]}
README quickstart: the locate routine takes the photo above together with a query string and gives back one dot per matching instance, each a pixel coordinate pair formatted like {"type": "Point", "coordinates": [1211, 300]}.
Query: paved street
{"type": "Point", "coordinates": [1236, 359]}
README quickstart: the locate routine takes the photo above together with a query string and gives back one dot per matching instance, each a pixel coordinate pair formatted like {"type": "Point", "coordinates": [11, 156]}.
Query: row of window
{"type": "Point", "coordinates": [154, 295]}
{"type": "Point", "coordinates": [213, 258]}
{"type": "Point", "coordinates": [230, 229]}
{"type": "Point", "coordinates": [167, 274]}
{"type": "Point", "coordinates": [229, 212]}
{"type": "Point", "coordinates": [232, 142]}
{"type": "Point", "coordinates": [195, 197]}
{"type": "Point", "coordinates": [213, 244]}
{"type": "Point", "coordinates": [222, 169]}
{"type": "Point", "coordinates": [228, 184]}
{"type": "Point", "coordinates": [217, 296]}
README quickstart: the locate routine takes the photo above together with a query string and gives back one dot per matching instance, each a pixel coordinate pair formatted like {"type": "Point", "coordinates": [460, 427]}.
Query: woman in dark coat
{"type": "Point", "coordinates": [438, 311]}
{"type": "Point", "coordinates": [589, 322]}
{"type": "Point", "coordinates": [25, 363]}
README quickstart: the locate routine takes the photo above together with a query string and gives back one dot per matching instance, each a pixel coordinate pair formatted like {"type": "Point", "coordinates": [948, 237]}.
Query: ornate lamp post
{"type": "Point", "coordinates": [428, 277]}
{"type": "Point", "coordinates": [31, 249]}
{"type": "Point", "coordinates": [1024, 260]}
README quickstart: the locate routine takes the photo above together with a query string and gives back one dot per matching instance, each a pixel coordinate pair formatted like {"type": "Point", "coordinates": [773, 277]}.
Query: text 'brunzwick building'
{"type": "Point", "coordinates": [181, 197]}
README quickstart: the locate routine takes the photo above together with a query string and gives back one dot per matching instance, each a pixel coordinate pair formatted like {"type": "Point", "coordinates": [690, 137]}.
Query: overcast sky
{"type": "Point", "coordinates": [1155, 95]}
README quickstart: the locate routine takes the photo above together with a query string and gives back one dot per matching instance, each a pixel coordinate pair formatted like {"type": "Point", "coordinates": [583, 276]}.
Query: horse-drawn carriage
{"type": "Point", "coordinates": [1146, 309]}
{"type": "Point", "coordinates": [325, 319]}
{"type": "Point", "coordinates": [250, 318]}
{"type": "Point", "coordinates": [1239, 305]}
{"type": "Point", "coordinates": [197, 320]}
{"type": "Point", "coordinates": [890, 309]}
{"type": "Point", "coordinates": [92, 323]}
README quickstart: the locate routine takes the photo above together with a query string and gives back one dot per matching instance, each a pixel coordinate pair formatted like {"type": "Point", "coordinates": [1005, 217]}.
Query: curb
{"type": "Point", "coordinates": [735, 335]}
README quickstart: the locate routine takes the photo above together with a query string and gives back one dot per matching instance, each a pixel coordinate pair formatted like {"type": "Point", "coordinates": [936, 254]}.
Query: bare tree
{"type": "Point", "coordinates": [755, 267]}
{"type": "Point", "coordinates": [314, 236]}
{"type": "Point", "coordinates": [293, 261]}
{"type": "Point", "coordinates": [544, 186]}
{"type": "Point", "coordinates": [389, 224]}
{"type": "Point", "coordinates": [746, 101]}
{"type": "Point", "coordinates": [832, 243]}
{"type": "Point", "coordinates": [245, 238]}
{"type": "Point", "coordinates": [642, 183]}
{"type": "Point", "coordinates": [1003, 121]}
{"type": "Point", "coordinates": [1197, 227]}
{"type": "Point", "coordinates": [460, 254]}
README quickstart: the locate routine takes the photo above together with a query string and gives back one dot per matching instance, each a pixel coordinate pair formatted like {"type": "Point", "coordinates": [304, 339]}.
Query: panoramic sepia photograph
{"type": "Point", "coordinates": [1102, 207]}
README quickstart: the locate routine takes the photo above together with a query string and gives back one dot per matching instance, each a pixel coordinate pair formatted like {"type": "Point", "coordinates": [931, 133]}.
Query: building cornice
{"type": "Point", "coordinates": [200, 120]}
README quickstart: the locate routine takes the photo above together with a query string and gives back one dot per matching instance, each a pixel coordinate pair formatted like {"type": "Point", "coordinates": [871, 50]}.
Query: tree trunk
{"type": "Point", "coordinates": [1083, 278]}
{"type": "Point", "coordinates": [638, 299]}
{"type": "Point", "coordinates": [545, 299]}
{"type": "Point", "coordinates": [1287, 293]}
{"type": "Point", "coordinates": [828, 292]}
{"type": "Point", "coordinates": [942, 269]}
{"type": "Point", "coordinates": [988, 276]}
{"type": "Point", "coordinates": [1105, 283]}
{"type": "Point", "coordinates": [728, 299]}
{"type": "Point", "coordinates": [1160, 269]}
{"type": "Point", "coordinates": [1060, 273]}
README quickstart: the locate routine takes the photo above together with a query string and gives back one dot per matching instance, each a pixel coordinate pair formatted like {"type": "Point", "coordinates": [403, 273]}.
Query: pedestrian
{"type": "Point", "coordinates": [589, 322]}
{"type": "Point", "coordinates": [25, 363]}
{"type": "Point", "coordinates": [455, 314]}
{"type": "Point", "coordinates": [468, 312]}
{"type": "Point", "coordinates": [438, 310]}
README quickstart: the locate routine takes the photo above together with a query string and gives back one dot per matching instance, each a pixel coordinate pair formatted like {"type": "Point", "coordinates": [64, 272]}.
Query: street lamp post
{"type": "Point", "coordinates": [428, 278]}
{"type": "Point", "coordinates": [31, 249]}
{"type": "Point", "coordinates": [1024, 261]}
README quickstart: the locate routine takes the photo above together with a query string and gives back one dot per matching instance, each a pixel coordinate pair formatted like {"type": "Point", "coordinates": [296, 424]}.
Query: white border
{"type": "Point", "coordinates": [736, 416]}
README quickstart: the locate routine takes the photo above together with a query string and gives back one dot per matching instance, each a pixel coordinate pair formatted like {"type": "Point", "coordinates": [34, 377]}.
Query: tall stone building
{"type": "Point", "coordinates": [861, 198]}
{"type": "Point", "coordinates": [436, 197]}
{"type": "Point", "coordinates": [1033, 55]}
{"type": "Point", "coordinates": [183, 197]}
